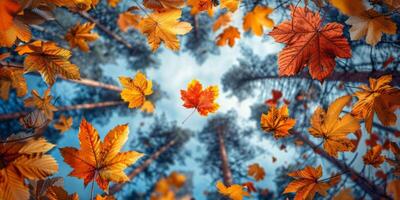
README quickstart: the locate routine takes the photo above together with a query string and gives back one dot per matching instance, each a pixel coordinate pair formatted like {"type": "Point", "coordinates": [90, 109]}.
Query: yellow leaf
{"type": "Point", "coordinates": [231, 5]}
{"type": "Point", "coordinates": [334, 129]}
{"type": "Point", "coordinates": [256, 171]}
{"type": "Point", "coordinates": [228, 36]}
{"type": "Point", "coordinates": [127, 20]}
{"type": "Point", "coordinates": [147, 107]}
{"type": "Point", "coordinates": [49, 60]}
{"type": "Point", "coordinates": [80, 34]}
{"type": "Point", "coordinates": [234, 192]}
{"type": "Point", "coordinates": [371, 25]}
{"type": "Point", "coordinates": [257, 19]}
{"type": "Point", "coordinates": [277, 121]}
{"type": "Point", "coordinates": [222, 20]}
{"type": "Point", "coordinates": [63, 124]}
{"type": "Point", "coordinates": [12, 78]}
{"type": "Point", "coordinates": [135, 90]}
{"type": "Point", "coordinates": [200, 6]}
{"type": "Point", "coordinates": [41, 103]}
{"type": "Point", "coordinates": [164, 27]}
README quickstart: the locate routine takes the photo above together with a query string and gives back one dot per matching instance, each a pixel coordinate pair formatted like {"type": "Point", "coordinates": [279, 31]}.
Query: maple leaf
{"type": "Point", "coordinates": [276, 95]}
{"type": "Point", "coordinates": [100, 161]}
{"type": "Point", "coordinates": [200, 6]}
{"type": "Point", "coordinates": [23, 159]}
{"type": "Point", "coordinates": [8, 9]}
{"type": "Point", "coordinates": [41, 103]}
{"type": "Point", "coordinates": [370, 24]}
{"type": "Point", "coordinates": [163, 27]}
{"type": "Point", "coordinates": [349, 7]}
{"type": "Point", "coordinates": [80, 34]}
{"type": "Point", "coordinates": [63, 124]}
{"type": "Point", "coordinates": [165, 188]}
{"type": "Point", "coordinates": [59, 193]}
{"type": "Point", "coordinates": [234, 192]}
{"type": "Point", "coordinates": [201, 100]}
{"type": "Point", "coordinates": [38, 188]}
{"type": "Point", "coordinates": [12, 28]}
{"type": "Point", "coordinates": [249, 186]}
{"type": "Point", "coordinates": [34, 120]}
{"type": "Point", "coordinates": [334, 129]}
{"type": "Point", "coordinates": [394, 188]}
{"type": "Point", "coordinates": [396, 161]}
{"type": "Point", "coordinates": [163, 4]}
{"type": "Point", "coordinates": [127, 20]}
{"type": "Point", "coordinates": [12, 78]}
{"type": "Point", "coordinates": [277, 121]}
{"type": "Point", "coordinates": [256, 171]}
{"type": "Point", "coordinates": [257, 19]}
{"type": "Point", "coordinates": [344, 194]}
{"type": "Point", "coordinates": [308, 43]}
{"type": "Point", "coordinates": [380, 98]}
{"type": "Point", "coordinates": [147, 107]}
{"type": "Point", "coordinates": [231, 5]}
{"type": "Point", "coordinates": [222, 20]}
{"type": "Point", "coordinates": [113, 3]}
{"type": "Point", "coordinates": [49, 60]}
{"type": "Point", "coordinates": [136, 89]}
{"type": "Point", "coordinates": [228, 36]}
{"type": "Point", "coordinates": [373, 156]}
{"type": "Point", "coordinates": [77, 5]}
{"type": "Point", "coordinates": [307, 183]}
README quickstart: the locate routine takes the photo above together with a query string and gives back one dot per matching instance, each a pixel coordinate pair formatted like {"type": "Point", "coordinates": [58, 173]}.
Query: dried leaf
{"type": "Point", "coordinates": [12, 78]}
{"type": "Point", "coordinates": [374, 157]}
{"type": "Point", "coordinates": [58, 193]}
{"type": "Point", "coordinates": [63, 124]}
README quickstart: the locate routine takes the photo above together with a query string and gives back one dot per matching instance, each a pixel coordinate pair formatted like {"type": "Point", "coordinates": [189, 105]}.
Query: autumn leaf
{"type": "Point", "coordinates": [344, 194]}
{"type": "Point", "coordinates": [127, 20]}
{"type": "Point", "coordinates": [308, 43]}
{"type": "Point", "coordinates": [8, 10]}
{"type": "Point", "coordinates": [12, 78]}
{"type": "Point", "coordinates": [49, 60]}
{"type": "Point", "coordinates": [396, 161]}
{"type": "Point", "coordinates": [222, 21]}
{"type": "Point", "coordinates": [105, 197]}
{"type": "Point", "coordinates": [164, 27]}
{"type": "Point", "coordinates": [277, 121]}
{"type": "Point", "coordinates": [256, 171]}
{"type": "Point", "coordinates": [249, 186]}
{"type": "Point", "coordinates": [380, 98]}
{"type": "Point", "coordinates": [59, 193]}
{"type": "Point", "coordinates": [371, 25]}
{"type": "Point", "coordinates": [163, 4]}
{"type": "Point", "coordinates": [100, 161]}
{"type": "Point", "coordinates": [228, 36]}
{"type": "Point", "coordinates": [231, 5]}
{"type": "Point", "coordinates": [38, 188]}
{"type": "Point", "coordinates": [200, 6]}
{"type": "Point", "coordinates": [136, 89]}
{"type": "Point", "coordinates": [41, 103]}
{"type": "Point", "coordinates": [147, 107]}
{"type": "Point", "coordinates": [165, 188]}
{"type": "Point", "coordinates": [77, 5]}
{"type": "Point", "coordinates": [276, 95]}
{"type": "Point", "coordinates": [63, 124]}
{"type": "Point", "coordinates": [307, 183]}
{"type": "Point", "coordinates": [23, 159]}
{"type": "Point", "coordinates": [334, 129]}
{"type": "Point", "coordinates": [234, 192]}
{"type": "Point", "coordinates": [256, 19]}
{"type": "Point", "coordinates": [80, 34]}
{"type": "Point", "coordinates": [374, 156]}
{"type": "Point", "coordinates": [34, 120]}
{"type": "Point", "coordinates": [201, 100]}
{"type": "Point", "coordinates": [349, 7]}
{"type": "Point", "coordinates": [394, 188]}
{"type": "Point", "coordinates": [12, 28]}
{"type": "Point", "coordinates": [113, 3]}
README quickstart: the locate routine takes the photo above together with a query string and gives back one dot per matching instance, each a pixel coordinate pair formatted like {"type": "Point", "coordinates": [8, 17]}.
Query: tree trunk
{"type": "Point", "coordinates": [373, 190]}
{"type": "Point", "coordinates": [117, 187]}
{"type": "Point", "coordinates": [226, 171]}
{"type": "Point", "coordinates": [85, 106]}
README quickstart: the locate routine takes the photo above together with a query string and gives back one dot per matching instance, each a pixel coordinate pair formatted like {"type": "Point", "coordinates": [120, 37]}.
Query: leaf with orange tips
{"type": "Point", "coordinates": [127, 20]}
{"type": "Point", "coordinates": [63, 124]}
{"type": "Point", "coordinates": [234, 192]}
{"type": "Point", "coordinates": [12, 78]}
{"type": "Point", "coordinates": [100, 161]}
{"type": "Point", "coordinates": [374, 157]}
{"type": "Point", "coordinates": [276, 95]}
{"type": "Point", "coordinates": [200, 6]}
{"type": "Point", "coordinates": [136, 89]}
{"type": "Point", "coordinates": [228, 36]}
{"type": "Point", "coordinates": [256, 19]}
{"type": "Point", "coordinates": [80, 34]}
{"type": "Point", "coordinates": [277, 120]}
{"type": "Point", "coordinates": [308, 43]}
{"type": "Point", "coordinates": [41, 103]}
{"type": "Point", "coordinates": [222, 21]}
{"type": "Point", "coordinates": [393, 188]}
{"type": "Point", "coordinates": [256, 171]}
{"type": "Point", "coordinates": [201, 100]}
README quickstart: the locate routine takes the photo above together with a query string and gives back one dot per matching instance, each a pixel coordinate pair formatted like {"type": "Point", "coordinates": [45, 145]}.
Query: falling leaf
{"type": "Point", "coordinates": [163, 27]}
{"type": "Point", "coordinates": [258, 18]}
{"type": "Point", "coordinates": [228, 36]}
{"type": "Point", "coordinates": [372, 140]}
{"type": "Point", "coordinates": [374, 157]}
{"type": "Point", "coordinates": [274, 159]}
{"type": "Point", "coordinates": [276, 95]}
{"type": "Point", "coordinates": [380, 98]}
{"type": "Point", "coordinates": [23, 159]}
{"type": "Point", "coordinates": [222, 21]}
{"type": "Point", "coordinates": [176, 179]}
{"type": "Point", "coordinates": [200, 6]}
{"type": "Point", "coordinates": [59, 193]}
{"type": "Point", "coordinates": [277, 121]}
{"type": "Point", "coordinates": [38, 188]}
{"type": "Point", "coordinates": [231, 5]}
{"type": "Point", "coordinates": [136, 89]}
{"type": "Point", "coordinates": [127, 20]}
{"type": "Point", "coordinates": [371, 25]}
{"type": "Point", "coordinates": [49, 60]}
{"type": "Point", "coordinates": [63, 124]}
{"type": "Point", "coordinates": [256, 171]}
{"type": "Point", "coordinates": [113, 3]}
{"type": "Point", "coordinates": [309, 44]}
{"type": "Point", "coordinates": [234, 192]}
{"type": "Point", "coordinates": [34, 120]}
{"type": "Point", "coordinates": [249, 186]}
{"type": "Point", "coordinates": [105, 197]}
{"type": "Point", "coordinates": [80, 34]}
{"type": "Point", "coordinates": [100, 161]}
{"type": "Point", "coordinates": [41, 103]}
{"type": "Point", "coordinates": [334, 129]}
{"type": "Point", "coordinates": [163, 4]}
{"type": "Point", "coordinates": [147, 107]}
{"type": "Point", "coordinates": [396, 161]}
{"type": "Point", "coordinates": [201, 100]}
{"type": "Point", "coordinates": [77, 5]}
{"type": "Point", "coordinates": [12, 78]}
{"type": "Point", "coordinates": [349, 7]}
{"type": "Point", "coordinates": [393, 188]}
{"type": "Point", "coordinates": [165, 188]}
{"type": "Point", "coordinates": [307, 183]}
{"type": "Point", "coordinates": [344, 194]}
{"type": "Point", "coordinates": [8, 10]}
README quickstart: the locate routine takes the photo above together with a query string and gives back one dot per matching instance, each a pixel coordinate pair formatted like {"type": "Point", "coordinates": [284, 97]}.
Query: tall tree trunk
{"type": "Point", "coordinates": [117, 187]}
{"type": "Point", "coordinates": [373, 190]}
{"type": "Point", "coordinates": [226, 171]}
{"type": "Point", "coordinates": [85, 106]}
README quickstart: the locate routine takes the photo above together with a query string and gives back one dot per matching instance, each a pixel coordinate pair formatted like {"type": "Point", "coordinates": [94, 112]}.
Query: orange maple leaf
{"type": "Point", "coordinates": [42, 103]}
{"type": "Point", "coordinates": [256, 19]}
{"type": "Point", "coordinates": [12, 27]}
{"type": "Point", "coordinates": [277, 121]}
{"type": "Point", "coordinates": [80, 34]}
{"type": "Point", "coordinates": [256, 171]}
{"type": "Point", "coordinates": [59, 193]}
{"type": "Point", "coordinates": [201, 100]}
{"type": "Point", "coordinates": [380, 98]}
{"type": "Point", "coordinates": [374, 156]}
{"type": "Point", "coordinates": [200, 6]}
{"type": "Point", "coordinates": [228, 36]}
{"type": "Point", "coordinates": [163, 4]}
{"type": "Point", "coordinates": [222, 20]}
{"type": "Point", "coordinates": [12, 78]}
{"type": "Point", "coordinates": [234, 192]}
{"type": "Point", "coordinates": [100, 161]}
{"type": "Point", "coordinates": [308, 43]}
{"type": "Point", "coordinates": [307, 183]}
{"type": "Point", "coordinates": [127, 20]}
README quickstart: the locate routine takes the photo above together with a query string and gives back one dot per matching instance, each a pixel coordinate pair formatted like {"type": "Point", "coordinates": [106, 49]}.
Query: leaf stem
{"type": "Point", "coordinates": [194, 110]}
{"type": "Point", "coordinates": [92, 188]}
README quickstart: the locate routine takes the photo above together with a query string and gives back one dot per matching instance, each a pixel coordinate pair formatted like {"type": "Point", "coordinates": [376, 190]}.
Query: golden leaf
{"type": "Point", "coordinates": [200, 6]}
{"type": "Point", "coordinates": [222, 20]}
{"type": "Point", "coordinates": [12, 78]}
{"type": "Point", "coordinates": [63, 124]}
{"type": "Point", "coordinates": [80, 34]}
{"type": "Point", "coordinates": [277, 121]}
{"type": "Point", "coordinates": [257, 19]}
{"type": "Point", "coordinates": [136, 89]}
{"type": "Point", "coordinates": [231, 5]}
{"type": "Point", "coordinates": [41, 103]}
{"type": "Point", "coordinates": [163, 4]}
{"type": "Point", "coordinates": [147, 107]}
{"type": "Point", "coordinates": [234, 192]}
{"type": "Point", "coordinates": [127, 20]}
{"type": "Point", "coordinates": [201, 100]}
